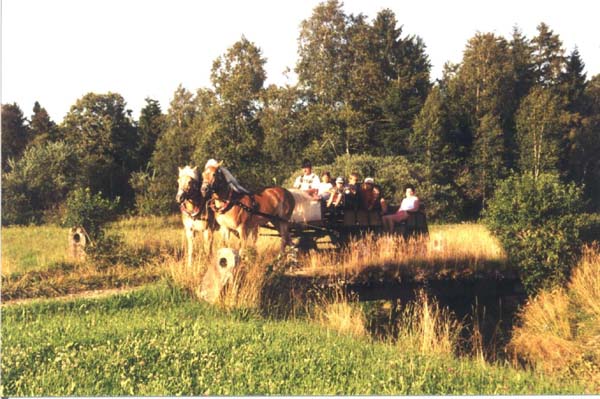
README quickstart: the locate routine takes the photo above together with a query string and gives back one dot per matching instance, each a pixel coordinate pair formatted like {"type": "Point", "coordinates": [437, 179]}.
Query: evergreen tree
{"type": "Point", "coordinates": [15, 134]}
{"type": "Point", "coordinates": [573, 82]}
{"type": "Point", "coordinates": [521, 52]}
{"type": "Point", "coordinates": [487, 157]}
{"type": "Point", "coordinates": [430, 149]}
{"type": "Point", "coordinates": [584, 164]}
{"type": "Point", "coordinates": [548, 56]}
{"type": "Point", "coordinates": [428, 143]}
{"type": "Point", "coordinates": [150, 127]}
{"type": "Point", "coordinates": [42, 128]}
{"type": "Point", "coordinates": [538, 132]}
{"type": "Point", "coordinates": [486, 76]}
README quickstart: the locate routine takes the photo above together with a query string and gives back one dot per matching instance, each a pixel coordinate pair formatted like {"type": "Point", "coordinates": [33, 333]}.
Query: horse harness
{"type": "Point", "coordinates": [234, 199]}
{"type": "Point", "coordinates": [197, 210]}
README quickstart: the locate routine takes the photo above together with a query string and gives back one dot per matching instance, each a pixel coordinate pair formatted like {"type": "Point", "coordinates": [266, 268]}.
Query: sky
{"type": "Point", "coordinates": [56, 51]}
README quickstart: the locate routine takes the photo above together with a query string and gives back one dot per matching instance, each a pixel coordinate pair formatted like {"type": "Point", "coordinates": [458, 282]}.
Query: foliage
{"type": "Point", "coordinates": [15, 134]}
{"type": "Point", "coordinates": [101, 133]}
{"type": "Point", "coordinates": [42, 128]}
{"type": "Point", "coordinates": [363, 87]}
{"type": "Point", "coordinates": [538, 134]}
{"type": "Point", "coordinates": [149, 198]}
{"type": "Point", "coordinates": [548, 56]}
{"type": "Point", "coordinates": [538, 223]}
{"type": "Point", "coordinates": [231, 131]}
{"type": "Point", "coordinates": [38, 182]}
{"type": "Point", "coordinates": [174, 148]}
{"type": "Point", "coordinates": [150, 127]}
{"type": "Point", "coordinates": [91, 211]}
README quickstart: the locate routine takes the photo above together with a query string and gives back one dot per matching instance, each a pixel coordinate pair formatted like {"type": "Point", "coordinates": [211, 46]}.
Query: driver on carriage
{"type": "Point", "coordinates": [308, 182]}
{"type": "Point", "coordinates": [231, 180]}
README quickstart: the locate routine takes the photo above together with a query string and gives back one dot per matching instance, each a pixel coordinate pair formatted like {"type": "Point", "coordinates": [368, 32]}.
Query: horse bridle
{"type": "Point", "coordinates": [188, 194]}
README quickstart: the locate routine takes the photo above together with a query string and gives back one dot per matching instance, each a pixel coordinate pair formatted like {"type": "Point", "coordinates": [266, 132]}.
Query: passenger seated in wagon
{"type": "Point", "coordinates": [351, 199]}
{"type": "Point", "coordinates": [336, 194]}
{"type": "Point", "coordinates": [371, 198]}
{"type": "Point", "coordinates": [324, 187]}
{"type": "Point", "coordinates": [409, 204]}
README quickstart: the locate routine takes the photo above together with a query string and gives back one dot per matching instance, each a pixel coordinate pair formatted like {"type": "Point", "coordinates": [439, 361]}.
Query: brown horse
{"type": "Point", "coordinates": [244, 212]}
{"type": "Point", "coordinates": [195, 215]}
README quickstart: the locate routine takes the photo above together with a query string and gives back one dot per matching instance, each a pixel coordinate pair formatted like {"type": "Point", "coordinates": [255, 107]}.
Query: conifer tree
{"type": "Point", "coordinates": [15, 134]}
{"type": "Point", "coordinates": [42, 128]}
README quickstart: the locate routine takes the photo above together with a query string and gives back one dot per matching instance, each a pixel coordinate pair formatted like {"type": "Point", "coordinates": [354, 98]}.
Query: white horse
{"type": "Point", "coordinates": [195, 215]}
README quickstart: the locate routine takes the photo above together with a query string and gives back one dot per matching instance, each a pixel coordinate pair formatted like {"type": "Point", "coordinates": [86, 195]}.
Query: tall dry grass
{"type": "Point", "coordinates": [245, 286]}
{"type": "Point", "coordinates": [428, 327]}
{"type": "Point", "coordinates": [560, 330]}
{"type": "Point", "coordinates": [340, 313]}
{"type": "Point", "coordinates": [448, 249]}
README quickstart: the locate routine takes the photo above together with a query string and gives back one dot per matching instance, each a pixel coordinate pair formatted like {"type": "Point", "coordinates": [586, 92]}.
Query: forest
{"type": "Point", "coordinates": [364, 101]}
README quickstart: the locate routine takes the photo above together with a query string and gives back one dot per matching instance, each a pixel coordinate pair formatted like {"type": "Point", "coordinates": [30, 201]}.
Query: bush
{"type": "Point", "coordinates": [37, 182]}
{"type": "Point", "coordinates": [538, 224]}
{"type": "Point", "coordinates": [153, 196]}
{"type": "Point", "coordinates": [89, 210]}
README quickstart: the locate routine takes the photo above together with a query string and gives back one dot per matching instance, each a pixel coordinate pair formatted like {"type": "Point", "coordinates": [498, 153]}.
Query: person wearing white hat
{"type": "Point", "coordinates": [337, 193]}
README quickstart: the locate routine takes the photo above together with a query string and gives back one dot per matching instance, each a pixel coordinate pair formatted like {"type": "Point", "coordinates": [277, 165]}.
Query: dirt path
{"type": "Point", "coordinates": [78, 295]}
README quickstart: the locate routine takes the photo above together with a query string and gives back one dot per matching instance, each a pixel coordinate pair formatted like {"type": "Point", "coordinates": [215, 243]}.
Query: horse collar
{"type": "Point", "coordinates": [195, 212]}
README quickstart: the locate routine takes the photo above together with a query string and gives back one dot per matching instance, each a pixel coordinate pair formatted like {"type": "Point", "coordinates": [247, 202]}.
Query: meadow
{"type": "Point", "coordinates": [160, 339]}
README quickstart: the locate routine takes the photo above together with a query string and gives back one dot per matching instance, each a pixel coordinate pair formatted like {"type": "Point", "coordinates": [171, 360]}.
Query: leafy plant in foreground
{"type": "Point", "coordinates": [538, 222]}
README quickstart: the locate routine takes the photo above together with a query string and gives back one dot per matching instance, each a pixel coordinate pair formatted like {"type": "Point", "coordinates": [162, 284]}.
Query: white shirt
{"type": "Point", "coordinates": [306, 182]}
{"type": "Point", "coordinates": [409, 204]}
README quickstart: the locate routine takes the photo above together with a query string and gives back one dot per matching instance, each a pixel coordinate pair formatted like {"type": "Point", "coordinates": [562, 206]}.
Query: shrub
{"type": "Point", "coordinates": [538, 223]}
{"type": "Point", "coordinates": [151, 195]}
{"type": "Point", "coordinates": [89, 210]}
{"type": "Point", "coordinates": [37, 182]}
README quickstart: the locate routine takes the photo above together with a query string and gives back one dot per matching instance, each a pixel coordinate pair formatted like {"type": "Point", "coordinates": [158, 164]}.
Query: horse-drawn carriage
{"type": "Point", "coordinates": [209, 201]}
{"type": "Point", "coordinates": [311, 221]}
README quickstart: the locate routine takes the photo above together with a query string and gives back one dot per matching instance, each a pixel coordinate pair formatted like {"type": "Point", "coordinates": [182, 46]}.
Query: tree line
{"type": "Point", "coordinates": [512, 105]}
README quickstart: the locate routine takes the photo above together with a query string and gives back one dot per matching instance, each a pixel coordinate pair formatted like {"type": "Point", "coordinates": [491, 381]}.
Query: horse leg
{"type": "Point", "coordinates": [208, 240]}
{"type": "Point", "coordinates": [189, 232]}
{"type": "Point", "coordinates": [283, 229]}
{"type": "Point", "coordinates": [284, 232]}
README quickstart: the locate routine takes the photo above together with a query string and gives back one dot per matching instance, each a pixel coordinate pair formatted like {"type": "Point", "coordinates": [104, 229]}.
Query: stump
{"type": "Point", "coordinates": [77, 243]}
{"type": "Point", "coordinates": [218, 274]}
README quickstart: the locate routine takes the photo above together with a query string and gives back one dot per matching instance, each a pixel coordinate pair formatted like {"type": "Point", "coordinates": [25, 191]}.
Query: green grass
{"type": "Point", "coordinates": [40, 248]}
{"type": "Point", "coordinates": [157, 341]}
{"type": "Point", "coordinates": [27, 248]}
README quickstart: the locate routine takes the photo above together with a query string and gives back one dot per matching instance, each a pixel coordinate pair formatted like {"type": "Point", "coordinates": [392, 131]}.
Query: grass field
{"type": "Point", "coordinates": [38, 248]}
{"type": "Point", "coordinates": [158, 341]}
